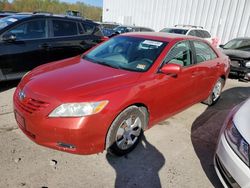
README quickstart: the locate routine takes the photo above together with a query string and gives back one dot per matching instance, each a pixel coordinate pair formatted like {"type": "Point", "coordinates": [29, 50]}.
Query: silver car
{"type": "Point", "coordinates": [232, 158]}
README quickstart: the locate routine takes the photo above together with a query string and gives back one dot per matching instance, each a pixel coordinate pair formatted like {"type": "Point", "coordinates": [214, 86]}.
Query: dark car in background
{"type": "Point", "coordinates": [29, 40]}
{"type": "Point", "coordinates": [125, 29]}
{"type": "Point", "coordinates": [238, 50]}
{"type": "Point", "coordinates": [107, 28]}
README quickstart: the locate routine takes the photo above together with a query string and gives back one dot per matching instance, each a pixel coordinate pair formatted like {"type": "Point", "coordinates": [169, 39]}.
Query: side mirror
{"type": "Point", "coordinates": [221, 46]}
{"type": "Point", "coordinates": [171, 69]}
{"type": "Point", "coordinates": [9, 37]}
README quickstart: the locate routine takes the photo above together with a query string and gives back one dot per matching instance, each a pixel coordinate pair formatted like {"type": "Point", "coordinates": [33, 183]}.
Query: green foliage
{"type": "Point", "coordinates": [53, 6]}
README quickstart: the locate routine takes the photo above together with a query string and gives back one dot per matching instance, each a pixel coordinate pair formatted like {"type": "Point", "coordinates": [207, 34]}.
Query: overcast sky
{"type": "Point", "coordinates": [97, 3]}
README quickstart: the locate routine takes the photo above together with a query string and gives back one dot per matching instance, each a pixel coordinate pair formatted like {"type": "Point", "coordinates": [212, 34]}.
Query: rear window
{"type": "Point", "coordinates": [199, 33]}
{"type": "Point", "coordinates": [64, 28]}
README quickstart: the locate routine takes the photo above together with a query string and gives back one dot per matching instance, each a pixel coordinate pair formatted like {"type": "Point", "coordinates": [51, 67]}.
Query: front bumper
{"type": "Point", "coordinates": [229, 167]}
{"type": "Point", "coordinates": [240, 72]}
{"type": "Point", "coordinates": [80, 135]}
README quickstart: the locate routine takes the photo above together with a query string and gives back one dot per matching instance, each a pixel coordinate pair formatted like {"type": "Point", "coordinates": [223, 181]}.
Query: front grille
{"type": "Point", "coordinates": [225, 174]}
{"type": "Point", "coordinates": [30, 105]}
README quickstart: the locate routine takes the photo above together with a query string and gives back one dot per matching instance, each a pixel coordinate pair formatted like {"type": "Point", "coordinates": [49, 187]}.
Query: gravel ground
{"type": "Point", "coordinates": [177, 152]}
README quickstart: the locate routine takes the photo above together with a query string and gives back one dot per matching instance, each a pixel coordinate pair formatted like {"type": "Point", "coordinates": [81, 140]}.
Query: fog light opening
{"type": "Point", "coordinates": [65, 145]}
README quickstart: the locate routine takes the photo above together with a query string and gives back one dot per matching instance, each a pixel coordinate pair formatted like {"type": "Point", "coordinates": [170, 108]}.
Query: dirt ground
{"type": "Point", "coordinates": [175, 153]}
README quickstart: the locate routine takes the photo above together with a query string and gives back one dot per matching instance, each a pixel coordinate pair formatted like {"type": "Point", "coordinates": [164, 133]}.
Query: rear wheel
{"type": "Point", "coordinates": [126, 130]}
{"type": "Point", "coordinates": [216, 92]}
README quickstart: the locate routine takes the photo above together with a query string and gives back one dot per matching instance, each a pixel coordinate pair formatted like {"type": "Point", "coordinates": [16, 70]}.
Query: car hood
{"type": "Point", "coordinates": [242, 120]}
{"type": "Point", "coordinates": [75, 78]}
{"type": "Point", "coordinates": [237, 53]}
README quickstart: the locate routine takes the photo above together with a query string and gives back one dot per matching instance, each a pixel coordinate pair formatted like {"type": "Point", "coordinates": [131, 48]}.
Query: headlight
{"type": "Point", "coordinates": [247, 64]}
{"type": "Point", "coordinates": [78, 109]}
{"type": "Point", "coordinates": [237, 142]}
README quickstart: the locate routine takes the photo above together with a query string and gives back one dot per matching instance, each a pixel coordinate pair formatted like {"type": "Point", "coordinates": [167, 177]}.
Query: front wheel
{"type": "Point", "coordinates": [126, 130]}
{"type": "Point", "coordinates": [216, 92]}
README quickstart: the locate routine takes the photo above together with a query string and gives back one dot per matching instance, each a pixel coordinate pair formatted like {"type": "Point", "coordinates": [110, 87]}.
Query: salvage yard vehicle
{"type": "Point", "coordinates": [109, 96]}
{"type": "Point", "coordinates": [29, 40]}
{"type": "Point", "coordinates": [238, 50]}
{"type": "Point", "coordinates": [232, 158]}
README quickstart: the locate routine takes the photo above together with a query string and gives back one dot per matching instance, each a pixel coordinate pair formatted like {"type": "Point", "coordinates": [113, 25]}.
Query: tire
{"type": "Point", "coordinates": [126, 130]}
{"type": "Point", "coordinates": [216, 92]}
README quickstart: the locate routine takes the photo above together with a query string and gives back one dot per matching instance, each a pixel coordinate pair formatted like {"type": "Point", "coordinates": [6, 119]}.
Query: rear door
{"type": "Point", "coordinates": [26, 52]}
{"type": "Point", "coordinates": [208, 66]}
{"type": "Point", "coordinates": [63, 39]}
{"type": "Point", "coordinates": [70, 38]}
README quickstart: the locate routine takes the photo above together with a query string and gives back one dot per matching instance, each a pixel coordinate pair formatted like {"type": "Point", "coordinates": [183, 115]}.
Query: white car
{"type": "Point", "coordinates": [231, 161]}
{"type": "Point", "coordinates": [196, 31]}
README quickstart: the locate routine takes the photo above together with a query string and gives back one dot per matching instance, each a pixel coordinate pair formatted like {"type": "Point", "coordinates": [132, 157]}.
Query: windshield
{"type": "Point", "coordinates": [239, 44]}
{"type": "Point", "coordinates": [172, 30]}
{"type": "Point", "coordinates": [4, 22]}
{"type": "Point", "coordinates": [128, 53]}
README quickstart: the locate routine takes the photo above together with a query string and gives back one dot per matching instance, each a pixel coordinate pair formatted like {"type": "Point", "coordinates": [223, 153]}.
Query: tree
{"type": "Point", "coordinates": [53, 6]}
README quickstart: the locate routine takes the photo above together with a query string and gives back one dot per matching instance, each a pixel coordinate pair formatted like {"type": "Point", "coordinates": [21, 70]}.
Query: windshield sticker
{"type": "Point", "coordinates": [141, 66]}
{"type": "Point", "coordinates": [12, 19]}
{"type": "Point", "coordinates": [151, 42]}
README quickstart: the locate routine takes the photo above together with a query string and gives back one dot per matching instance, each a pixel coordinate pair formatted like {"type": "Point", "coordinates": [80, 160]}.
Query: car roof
{"type": "Point", "coordinates": [161, 36]}
{"type": "Point", "coordinates": [23, 15]}
{"type": "Point", "coordinates": [19, 16]}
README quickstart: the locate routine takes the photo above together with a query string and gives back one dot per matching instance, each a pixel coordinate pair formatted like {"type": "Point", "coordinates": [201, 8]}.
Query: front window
{"type": "Point", "coordinates": [35, 29]}
{"type": "Point", "coordinates": [173, 30]}
{"type": "Point", "coordinates": [128, 53]}
{"type": "Point", "coordinates": [180, 54]}
{"type": "Point", "coordinates": [238, 44]}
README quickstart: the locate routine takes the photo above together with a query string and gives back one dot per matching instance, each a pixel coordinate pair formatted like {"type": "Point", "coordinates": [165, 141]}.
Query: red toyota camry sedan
{"type": "Point", "coordinates": [107, 97]}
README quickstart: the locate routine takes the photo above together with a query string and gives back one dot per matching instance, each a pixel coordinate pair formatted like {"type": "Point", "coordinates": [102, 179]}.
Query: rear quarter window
{"type": "Point", "coordinates": [88, 28]}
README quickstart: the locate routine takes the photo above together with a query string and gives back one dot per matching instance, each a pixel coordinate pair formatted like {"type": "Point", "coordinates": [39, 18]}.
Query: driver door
{"type": "Point", "coordinates": [176, 92]}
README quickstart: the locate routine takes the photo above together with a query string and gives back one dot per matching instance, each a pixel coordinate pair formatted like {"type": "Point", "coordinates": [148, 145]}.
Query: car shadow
{"type": "Point", "coordinates": [6, 85]}
{"type": "Point", "coordinates": [206, 129]}
{"type": "Point", "coordinates": [139, 168]}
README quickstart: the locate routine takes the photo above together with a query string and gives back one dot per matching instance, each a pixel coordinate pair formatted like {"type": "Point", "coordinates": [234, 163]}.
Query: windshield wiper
{"type": "Point", "coordinates": [107, 64]}
{"type": "Point", "coordinates": [100, 62]}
